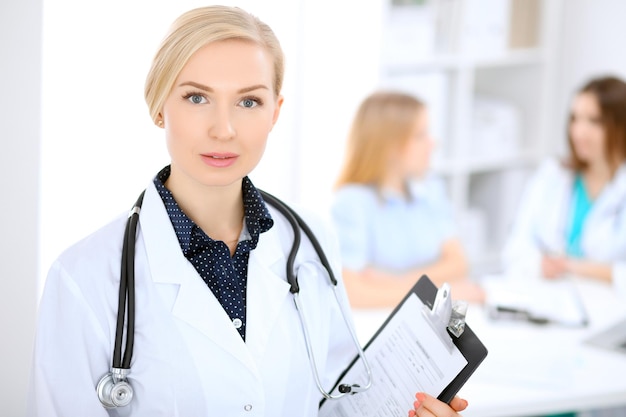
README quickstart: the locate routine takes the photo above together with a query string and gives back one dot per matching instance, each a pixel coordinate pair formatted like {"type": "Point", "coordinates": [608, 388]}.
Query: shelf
{"type": "Point", "coordinates": [486, 153]}
{"type": "Point", "coordinates": [452, 166]}
{"type": "Point", "coordinates": [447, 62]}
{"type": "Point", "coordinates": [432, 63]}
{"type": "Point", "coordinates": [511, 58]}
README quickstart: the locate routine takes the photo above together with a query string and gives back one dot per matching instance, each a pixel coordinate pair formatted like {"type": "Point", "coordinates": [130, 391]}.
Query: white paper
{"type": "Point", "coordinates": [406, 357]}
{"type": "Point", "coordinates": [554, 300]}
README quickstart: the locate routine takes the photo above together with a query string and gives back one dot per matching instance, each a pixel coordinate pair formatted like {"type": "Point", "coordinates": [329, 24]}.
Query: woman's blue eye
{"type": "Point", "coordinates": [196, 99]}
{"type": "Point", "coordinates": [249, 103]}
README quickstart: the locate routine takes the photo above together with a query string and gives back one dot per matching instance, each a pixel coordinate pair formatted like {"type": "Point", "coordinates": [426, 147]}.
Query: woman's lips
{"type": "Point", "coordinates": [219, 160]}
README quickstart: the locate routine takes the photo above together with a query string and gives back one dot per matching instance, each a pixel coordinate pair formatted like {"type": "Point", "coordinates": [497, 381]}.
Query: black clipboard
{"type": "Point", "coordinates": [468, 343]}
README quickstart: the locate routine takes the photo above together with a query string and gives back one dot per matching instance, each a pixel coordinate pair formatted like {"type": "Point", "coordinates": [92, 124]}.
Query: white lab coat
{"type": "Point", "coordinates": [542, 219]}
{"type": "Point", "coordinates": [188, 359]}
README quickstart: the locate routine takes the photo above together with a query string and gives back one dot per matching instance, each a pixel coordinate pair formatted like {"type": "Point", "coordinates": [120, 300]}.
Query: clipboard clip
{"type": "Point", "coordinates": [446, 316]}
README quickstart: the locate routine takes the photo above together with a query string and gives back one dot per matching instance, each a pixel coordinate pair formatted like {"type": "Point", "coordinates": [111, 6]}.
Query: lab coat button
{"type": "Point", "coordinates": [247, 407]}
{"type": "Point", "coordinates": [237, 323]}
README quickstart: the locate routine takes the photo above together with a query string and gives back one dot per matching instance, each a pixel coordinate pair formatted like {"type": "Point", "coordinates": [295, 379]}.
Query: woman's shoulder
{"type": "Point", "coordinates": [313, 218]}
{"type": "Point", "coordinates": [431, 190]}
{"type": "Point", "coordinates": [95, 248]}
{"type": "Point", "coordinates": [355, 194]}
{"type": "Point", "coordinates": [620, 174]}
{"type": "Point", "coordinates": [429, 186]}
{"type": "Point", "coordinates": [356, 190]}
{"type": "Point", "coordinates": [90, 267]}
{"type": "Point", "coordinates": [549, 179]}
{"type": "Point", "coordinates": [553, 167]}
{"type": "Point", "coordinates": [316, 221]}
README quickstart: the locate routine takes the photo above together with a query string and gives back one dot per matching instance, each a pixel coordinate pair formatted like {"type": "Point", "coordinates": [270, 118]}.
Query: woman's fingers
{"type": "Point", "coordinates": [458, 404]}
{"type": "Point", "coordinates": [428, 406]}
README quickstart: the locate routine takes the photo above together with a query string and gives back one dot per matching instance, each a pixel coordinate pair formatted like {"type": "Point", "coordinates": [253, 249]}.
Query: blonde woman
{"type": "Point", "coordinates": [393, 219]}
{"type": "Point", "coordinates": [216, 332]}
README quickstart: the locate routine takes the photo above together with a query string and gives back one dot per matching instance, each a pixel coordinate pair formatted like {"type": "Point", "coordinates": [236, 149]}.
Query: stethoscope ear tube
{"type": "Point", "coordinates": [127, 287]}
{"type": "Point", "coordinates": [289, 215]}
{"type": "Point", "coordinates": [298, 223]}
{"type": "Point", "coordinates": [121, 303]}
{"type": "Point", "coordinates": [113, 389]}
{"type": "Point", "coordinates": [316, 245]}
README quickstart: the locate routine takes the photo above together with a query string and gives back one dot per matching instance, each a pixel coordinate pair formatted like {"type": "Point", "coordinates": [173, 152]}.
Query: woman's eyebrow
{"type": "Point", "coordinates": [252, 88]}
{"type": "Point", "coordinates": [209, 89]}
{"type": "Point", "coordinates": [196, 85]}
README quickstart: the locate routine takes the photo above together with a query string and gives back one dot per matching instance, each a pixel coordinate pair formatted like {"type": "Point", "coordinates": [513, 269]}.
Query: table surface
{"type": "Point", "coordinates": [538, 369]}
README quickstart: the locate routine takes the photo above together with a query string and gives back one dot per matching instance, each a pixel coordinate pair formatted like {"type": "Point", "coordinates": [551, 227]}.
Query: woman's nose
{"type": "Point", "coordinates": [222, 126]}
{"type": "Point", "coordinates": [578, 129]}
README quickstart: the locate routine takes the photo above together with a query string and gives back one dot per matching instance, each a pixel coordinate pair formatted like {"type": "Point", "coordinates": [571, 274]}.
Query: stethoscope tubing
{"type": "Point", "coordinates": [298, 223]}
{"type": "Point", "coordinates": [127, 288]}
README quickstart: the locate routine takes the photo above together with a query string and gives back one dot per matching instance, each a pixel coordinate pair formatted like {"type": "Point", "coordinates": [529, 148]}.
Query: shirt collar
{"type": "Point", "coordinates": [416, 190]}
{"type": "Point", "coordinates": [257, 218]}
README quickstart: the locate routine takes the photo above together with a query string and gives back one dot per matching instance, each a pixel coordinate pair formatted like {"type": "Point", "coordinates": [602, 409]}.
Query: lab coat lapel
{"type": "Point", "coordinates": [612, 198]}
{"type": "Point", "coordinates": [268, 290]}
{"type": "Point", "coordinates": [182, 289]}
{"type": "Point", "coordinates": [553, 220]}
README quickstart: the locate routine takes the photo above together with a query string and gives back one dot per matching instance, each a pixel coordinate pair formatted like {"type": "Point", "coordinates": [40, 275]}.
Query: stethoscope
{"type": "Point", "coordinates": [114, 389]}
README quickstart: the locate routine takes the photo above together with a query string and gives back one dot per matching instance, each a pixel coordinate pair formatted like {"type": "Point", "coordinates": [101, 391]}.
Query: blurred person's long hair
{"type": "Point", "coordinates": [383, 123]}
{"type": "Point", "coordinates": [610, 93]}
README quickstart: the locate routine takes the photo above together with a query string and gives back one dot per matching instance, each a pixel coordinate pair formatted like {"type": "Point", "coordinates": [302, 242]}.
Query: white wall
{"type": "Point", "coordinates": [592, 39]}
{"type": "Point", "coordinates": [339, 67]}
{"type": "Point", "coordinates": [20, 84]}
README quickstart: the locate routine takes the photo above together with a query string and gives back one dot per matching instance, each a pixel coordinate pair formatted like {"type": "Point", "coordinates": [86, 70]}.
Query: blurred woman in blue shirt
{"type": "Point", "coordinates": [393, 218]}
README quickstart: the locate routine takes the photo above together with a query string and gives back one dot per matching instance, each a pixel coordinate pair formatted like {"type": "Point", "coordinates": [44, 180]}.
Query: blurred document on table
{"type": "Point", "coordinates": [537, 300]}
{"type": "Point", "coordinates": [613, 337]}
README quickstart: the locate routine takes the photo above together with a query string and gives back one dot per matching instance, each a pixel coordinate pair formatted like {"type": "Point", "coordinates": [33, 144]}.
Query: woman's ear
{"type": "Point", "coordinates": [279, 104]}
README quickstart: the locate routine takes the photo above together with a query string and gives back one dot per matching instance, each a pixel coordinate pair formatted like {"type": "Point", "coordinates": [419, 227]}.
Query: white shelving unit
{"type": "Point", "coordinates": [485, 172]}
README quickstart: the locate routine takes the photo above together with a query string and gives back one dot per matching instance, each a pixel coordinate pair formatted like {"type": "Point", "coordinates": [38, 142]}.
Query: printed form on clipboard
{"type": "Point", "coordinates": [406, 356]}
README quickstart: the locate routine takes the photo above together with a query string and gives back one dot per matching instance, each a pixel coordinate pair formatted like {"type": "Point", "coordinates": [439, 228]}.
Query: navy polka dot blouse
{"type": "Point", "coordinates": [226, 276]}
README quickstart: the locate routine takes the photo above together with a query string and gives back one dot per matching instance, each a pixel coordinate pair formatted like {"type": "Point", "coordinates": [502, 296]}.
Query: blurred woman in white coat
{"type": "Point", "coordinates": [572, 215]}
{"type": "Point", "coordinates": [216, 331]}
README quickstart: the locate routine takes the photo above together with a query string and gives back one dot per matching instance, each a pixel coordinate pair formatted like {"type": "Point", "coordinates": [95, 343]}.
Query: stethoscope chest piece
{"type": "Point", "coordinates": [113, 390]}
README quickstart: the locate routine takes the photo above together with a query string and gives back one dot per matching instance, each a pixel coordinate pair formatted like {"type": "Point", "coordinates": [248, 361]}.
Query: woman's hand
{"type": "Point", "coordinates": [557, 266]}
{"type": "Point", "coordinates": [553, 266]}
{"type": "Point", "coordinates": [428, 406]}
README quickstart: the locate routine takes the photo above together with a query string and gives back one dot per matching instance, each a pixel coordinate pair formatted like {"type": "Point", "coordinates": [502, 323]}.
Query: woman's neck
{"type": "Point", "coordinates": [395, 184]}
{"type": "Point", "coordinates": [596, 176]}
{"type": "Point", "coordinates": [218, 211]}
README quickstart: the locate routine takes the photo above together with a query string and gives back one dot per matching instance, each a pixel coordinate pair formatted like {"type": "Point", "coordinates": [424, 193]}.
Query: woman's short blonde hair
{"type": "Point", "coordinates": [383, 124]}
{"type": "Point", "coordinates": [196, 29]}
